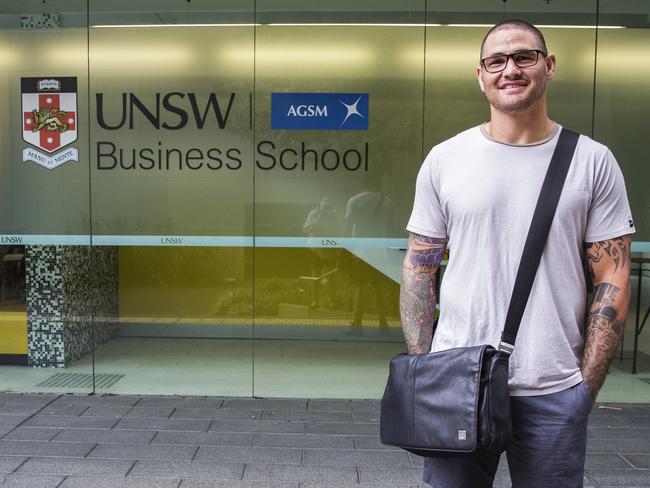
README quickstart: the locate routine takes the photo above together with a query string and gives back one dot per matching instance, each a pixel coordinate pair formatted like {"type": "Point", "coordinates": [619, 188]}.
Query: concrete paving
{"type": "Point", "coordinates": [68, 441]}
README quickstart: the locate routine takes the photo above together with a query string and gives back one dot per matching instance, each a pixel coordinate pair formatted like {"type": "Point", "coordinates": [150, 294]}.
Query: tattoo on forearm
{"type": "Point", "coordinates": [418, 291]}
{"type": "Point", "coordinates": [609, 261]}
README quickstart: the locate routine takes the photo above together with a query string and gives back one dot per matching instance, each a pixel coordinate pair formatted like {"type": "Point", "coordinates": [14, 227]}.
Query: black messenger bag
{"type": "Point", "coordinates": [457, 401]}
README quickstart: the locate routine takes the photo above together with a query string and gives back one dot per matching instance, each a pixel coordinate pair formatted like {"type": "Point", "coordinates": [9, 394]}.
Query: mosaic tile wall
{"type": "Point", "coordinates": [66, 295]}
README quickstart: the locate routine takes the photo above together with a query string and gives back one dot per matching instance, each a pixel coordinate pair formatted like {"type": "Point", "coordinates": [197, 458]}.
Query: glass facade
{"type": "Point", "coordinates": [204, 197]}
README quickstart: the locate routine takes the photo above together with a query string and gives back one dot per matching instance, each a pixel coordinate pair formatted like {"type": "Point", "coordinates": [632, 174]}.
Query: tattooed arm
{"type": "Point", "coordinates": [418, 290]}
{"type": "Point", "coordinates": [609, 266]}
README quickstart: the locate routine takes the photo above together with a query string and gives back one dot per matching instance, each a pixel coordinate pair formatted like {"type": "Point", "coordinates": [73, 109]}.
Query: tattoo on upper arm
{"type": "Point", "coordinates": [425, 252]}
{"type": "Point", "coordinates": [615, 249]}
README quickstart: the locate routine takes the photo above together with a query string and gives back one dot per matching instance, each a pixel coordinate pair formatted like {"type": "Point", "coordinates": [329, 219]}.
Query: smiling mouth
{"type": "Point", "coordinates": [510, 86]}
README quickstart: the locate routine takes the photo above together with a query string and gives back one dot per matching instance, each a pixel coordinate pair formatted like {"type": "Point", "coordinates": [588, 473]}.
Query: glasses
{"type": "Point", "coordinates": [523, 59]}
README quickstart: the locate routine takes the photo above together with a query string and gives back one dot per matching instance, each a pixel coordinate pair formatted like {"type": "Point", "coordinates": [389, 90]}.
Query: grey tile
{"type": "Point", "coordinates": [105, 436]}
{"type": "Point", "coordinates": [600, 433]}
{"type": "Point", "coordinates": [31, 434]}
{"type": "Point", "coordinates": [306, 416]}
{"type": "Point", "coordinates": [180, 402]}
{"type": "Point", "coordinates": [143, 451]}
{"type": "Point", "coordinates": [5, 430]}
{"type": "Point", "coordinates": [19, 409]}
{"type": "Point", "coordinates": [64, 421]}
{"type": "Point", "coordinates": [366, 417]}
{"type": "Point", "coordinates": [304, 441]}
{"type": "Point", "coordinates": [391, 484]}
{"type": "Point", "coordinates": [195, 413]}
{"type": "Point", "coordinates": [606, 461]}
{"type": "Point", "coordinates": [342, 428]}
{"type": "Point", "coordinates": [344, 405]}
{"type": "Point", "coordinates": [372, 442]}
{"type": "Point", "coordinates": [63, 408]}
{"type": "Point", "coordinates": [376, 474]}
{"type": "Point", "coordinates": [185, 469]}
{"type": "Point", "coordinates": [343, 457]}
{"type": "Point", "coordinates": [38, 448]}
{"type": "Point", "coordinates": [284, 472]}
{"type": "Point", "coordinates": [92, 467]}
{"type": "Point", "coordinates": [630, 446]}
{"type": "Point", "coordinates": [27, 398]}
{"type": "Point", "coordinates": [606, 421]}
{"type": "Point", "coordinates": [639, 461]}
{"type": "Point", "coordinates": [106, 410]}
{"type": "Point", "coordinates": [203, 438]}
{"type": "Point", "coordinates": [637, 421]}
{"type": "Point", "coordinates": [10, 463]}
{"type": "Point", "coordinates": [30, 481]}
{"type": "Point", "coordinates": [150, 412]}
{"type": "Point", "coordinates": [237, 484]}
{"type": "Point", "coordinates": [163, 424]}
{"type": "Point", "coordinates": [264, 404]}
{"type": "Point", "coordinates": [126, 400]}
{"type": "Point", "coordinates": [229, 414]}
{"type": "Point", "coordinates": [259, 455]}
{"type": "Point", "coordinates": [621, 409]}
{"type": "Point", "coordinates": [104, 482]}
{"type": "Point", "coordinates": [257, 426]}
{"type": "Point", "coordinates": [619, 477]}
{"type": "Point", "coordinates": [12, 420]}
{"type": "Point", "coordinates": [416, 461]}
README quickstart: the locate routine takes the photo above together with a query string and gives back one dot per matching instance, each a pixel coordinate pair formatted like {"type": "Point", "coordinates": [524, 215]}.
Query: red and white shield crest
{"type": "Point", "coordinates": [49, 109]}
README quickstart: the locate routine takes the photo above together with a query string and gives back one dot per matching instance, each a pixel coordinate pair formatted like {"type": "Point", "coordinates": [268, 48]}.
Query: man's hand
{"type": "Point", "coordinates": [609, 265]}
{"type": "Point", "coordinates": [418, 290]}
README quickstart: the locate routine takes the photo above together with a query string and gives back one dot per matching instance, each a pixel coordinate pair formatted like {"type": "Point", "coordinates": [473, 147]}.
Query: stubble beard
{"type": "Point", "coordinates": [521, 105]}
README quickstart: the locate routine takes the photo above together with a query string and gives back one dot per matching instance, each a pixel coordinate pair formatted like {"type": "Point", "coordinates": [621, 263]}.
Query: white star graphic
{"type": "Point", "coordinates": [352, 110]}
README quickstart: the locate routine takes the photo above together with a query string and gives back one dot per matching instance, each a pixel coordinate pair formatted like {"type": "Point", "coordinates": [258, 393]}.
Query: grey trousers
{"type": "Point", "coordinates": [548, 450]}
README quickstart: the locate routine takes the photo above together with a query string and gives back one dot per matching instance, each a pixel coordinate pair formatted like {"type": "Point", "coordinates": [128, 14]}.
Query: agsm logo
{"type": "Point", "coordinates": [319, 111]}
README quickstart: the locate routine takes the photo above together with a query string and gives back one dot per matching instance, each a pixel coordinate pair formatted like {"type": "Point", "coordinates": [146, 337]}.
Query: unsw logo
{"type": "Point", "coordinates": [49, 108]}
{"type": "Point", "coordinates": [319, 111]}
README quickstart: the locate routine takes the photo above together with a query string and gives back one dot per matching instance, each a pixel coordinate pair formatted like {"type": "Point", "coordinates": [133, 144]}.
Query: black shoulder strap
{"type": "Point", "coordinates": [537, 235]}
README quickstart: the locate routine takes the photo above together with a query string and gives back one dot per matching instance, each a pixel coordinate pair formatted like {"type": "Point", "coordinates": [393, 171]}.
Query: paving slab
{"type": "Point", "coordinates": [237, 484]}
{"type": "Point", "coordinates": [105, 436]}
{"type": "Point", "coordinates": [377, 474]}
{"type": "Point", "coordinates": [144, 451]}
{"type": "Point", "coordinates": [9, 464]}
{"type": "Point", "coordinates": [285, 472]}
{"type": "Point", "coordinates": [31, 434]}
{"type": "Point", "coordinates": [12, 420]}
{"type": "Point", "coordinates": [150, 412]}
{"type": "Point", "coordinates": [203, 438]}
{"type": "Point", "coordinates": [72, 422]}
{"type": "Point", "coordinates": [259, 455]}
{"type": "Point", "coordinates": [183, 470]}
{"type": "Point", "coordinates": [304, 441]}
{"type": "Point", "coordinates": [257, 426]}
{"type": "Point", "coordinates": [106, 482]}
{"type": "Point", "coordinates": [30, 481]}
{"type": "Point", "coordinates": [49, 449]}
{"type": "Point", "coordinates": [163, 424]}
{"type": "Point", "coordinates": [264, 404]}
{"type": "Point", "coordinates": [180, 401]}
{"type": "Point", "coordinates": [344, 457]}
{"type": "Point", "coordinates": [306, 416]}
{"type": "Point", "coordinates": [94, 467]}
{"type": "Point", "coordinates": [27, 398]}
{"type": "Point", "coordinates": [341, 428]}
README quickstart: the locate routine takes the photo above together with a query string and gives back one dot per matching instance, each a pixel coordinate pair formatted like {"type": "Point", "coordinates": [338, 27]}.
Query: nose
{"type": "Point", "coordinates": [511, 67]}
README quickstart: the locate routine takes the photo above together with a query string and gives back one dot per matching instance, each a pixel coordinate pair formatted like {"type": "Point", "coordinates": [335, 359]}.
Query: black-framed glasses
{"type": "Point", "coordinates": [523, 59]}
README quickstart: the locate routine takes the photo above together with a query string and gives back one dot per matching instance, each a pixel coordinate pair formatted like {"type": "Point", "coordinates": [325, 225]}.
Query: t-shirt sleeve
{"type": "Point", "coordinates": [427, 217]}
{"type": "Point", "coordinates": [609, 214]}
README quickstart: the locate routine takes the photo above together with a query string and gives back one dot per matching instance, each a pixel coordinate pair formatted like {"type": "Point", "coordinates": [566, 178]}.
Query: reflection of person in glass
{"type": "Point", "coordinates": [323, 221]}
{"type": "Point", "coordinates": [476, 194]}
{"type": "Point", "coordinates": [368, 214]}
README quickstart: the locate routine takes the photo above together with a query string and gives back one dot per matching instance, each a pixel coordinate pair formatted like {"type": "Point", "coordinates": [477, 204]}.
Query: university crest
{"type": "Point", "coordinates": [49, 108]}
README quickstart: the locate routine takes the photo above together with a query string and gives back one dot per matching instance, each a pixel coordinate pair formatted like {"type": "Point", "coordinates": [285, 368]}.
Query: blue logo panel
{"type": "Point", "coordinates": [319, 111]}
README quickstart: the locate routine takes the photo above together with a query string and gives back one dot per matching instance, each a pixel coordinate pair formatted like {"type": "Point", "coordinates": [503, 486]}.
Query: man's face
{"type": "Point", "coordinates": [515, 89]}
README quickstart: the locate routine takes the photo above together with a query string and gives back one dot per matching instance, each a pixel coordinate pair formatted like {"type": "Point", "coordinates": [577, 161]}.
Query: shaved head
{"type": "Point", "coordinates": [516, 24]}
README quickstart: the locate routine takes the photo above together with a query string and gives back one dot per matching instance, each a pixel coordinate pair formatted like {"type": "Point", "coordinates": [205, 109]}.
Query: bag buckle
{"type": "Point", "coordinates": [505, 347]}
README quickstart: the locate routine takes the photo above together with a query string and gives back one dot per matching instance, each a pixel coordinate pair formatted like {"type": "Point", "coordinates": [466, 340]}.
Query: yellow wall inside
{"type": "Point", "coordinates": [13, 333]}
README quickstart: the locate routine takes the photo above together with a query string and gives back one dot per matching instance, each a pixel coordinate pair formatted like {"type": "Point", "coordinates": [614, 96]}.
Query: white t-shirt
{"type": "Point", "coordinates": [480, 194]}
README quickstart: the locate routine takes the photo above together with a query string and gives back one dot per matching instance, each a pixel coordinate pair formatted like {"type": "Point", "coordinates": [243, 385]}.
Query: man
{"type": "Point", "coordinates": [475, 194]}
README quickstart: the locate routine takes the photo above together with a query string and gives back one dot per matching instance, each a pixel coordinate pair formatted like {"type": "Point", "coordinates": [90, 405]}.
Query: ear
{"type": "Point", "coordinates": [480, 80]}
{"type": "Point", "coordinates": [550, 66]}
